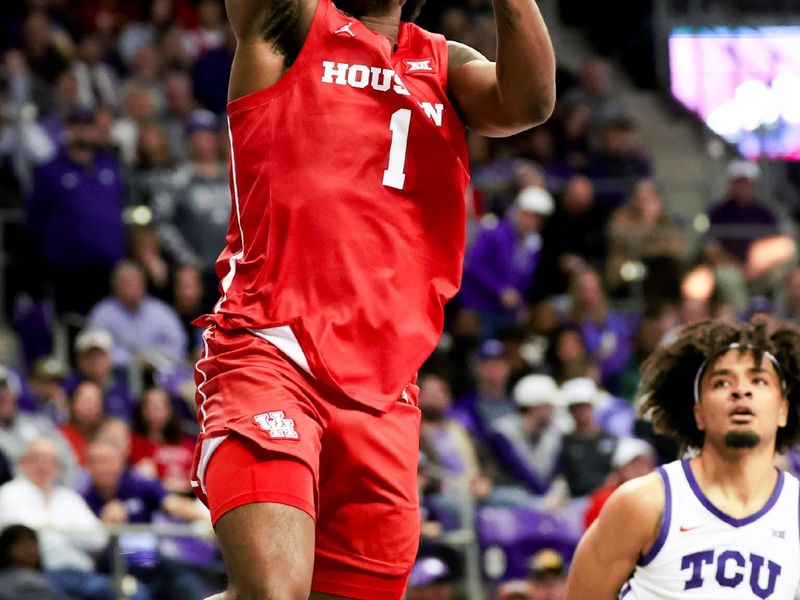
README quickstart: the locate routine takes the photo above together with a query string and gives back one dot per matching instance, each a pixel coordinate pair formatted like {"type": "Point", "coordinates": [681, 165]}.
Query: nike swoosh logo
{"type": "Point", "coordinates": [684, 529]}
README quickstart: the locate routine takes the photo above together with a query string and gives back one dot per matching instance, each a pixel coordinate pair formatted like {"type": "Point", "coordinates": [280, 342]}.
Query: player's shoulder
{"type": "Point", "coordinates": [459, 54]}
{"type": "Point", "coordinates": [640, 498]}
{"type": "Point", "coordinates": [631, 518]}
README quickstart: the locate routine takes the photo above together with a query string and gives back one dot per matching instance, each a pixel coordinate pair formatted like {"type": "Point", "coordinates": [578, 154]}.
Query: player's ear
{"type": "Point", "coordinates": [783, 412]}
{"type": "Point", "coordinates": [698, 417]}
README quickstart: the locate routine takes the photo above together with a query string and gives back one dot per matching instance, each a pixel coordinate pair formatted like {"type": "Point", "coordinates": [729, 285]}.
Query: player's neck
{"type": "Point", "coordinates": [386, 25]}
{"type": "Point", "coordinates": [744, 477]}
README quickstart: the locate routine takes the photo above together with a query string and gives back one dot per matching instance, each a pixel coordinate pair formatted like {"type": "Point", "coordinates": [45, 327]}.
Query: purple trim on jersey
{"type": "Point", "coordinates": [662, 532]}
{"type": "Point", "coordinates": [776, 493]}
{"type": "Point", "coordinates": [626, 589]}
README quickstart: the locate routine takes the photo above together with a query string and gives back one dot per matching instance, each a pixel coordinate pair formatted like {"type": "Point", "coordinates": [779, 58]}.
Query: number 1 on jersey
{"type": "Point", "coordinates": [394, 176]}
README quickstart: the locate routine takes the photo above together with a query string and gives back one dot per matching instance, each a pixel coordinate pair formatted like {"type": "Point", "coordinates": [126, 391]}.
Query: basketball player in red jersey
{"type": "Point", "coordinates": [348, 174]}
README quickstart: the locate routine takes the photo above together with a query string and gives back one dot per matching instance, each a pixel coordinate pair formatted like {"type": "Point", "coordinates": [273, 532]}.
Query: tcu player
{"type": "Point", "coordinates": [348, 176]}
{"type": "Point", "coordinates": [723, 524]}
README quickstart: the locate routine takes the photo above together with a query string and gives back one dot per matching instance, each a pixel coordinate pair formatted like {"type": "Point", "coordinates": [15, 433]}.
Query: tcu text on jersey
{"type": "Point", "coordinates": [731, 570]}
{"type": "Point", "coordinates": [379, 79]}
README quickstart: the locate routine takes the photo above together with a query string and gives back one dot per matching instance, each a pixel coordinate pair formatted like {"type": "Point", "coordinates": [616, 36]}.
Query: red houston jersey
{"type": "Point", "coordinates": [348, 179]}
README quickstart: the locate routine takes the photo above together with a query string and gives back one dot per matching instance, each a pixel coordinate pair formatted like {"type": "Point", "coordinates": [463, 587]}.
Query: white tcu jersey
{"type": "Point", "coordinates": [701, 553]}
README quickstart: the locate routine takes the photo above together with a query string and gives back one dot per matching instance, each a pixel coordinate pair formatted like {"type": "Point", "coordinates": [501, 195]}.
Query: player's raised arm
{"type": "Point", "coordinates": [625, 530]}
{"type": "Point", "coordinates": [516, 92]}
{"type": "Point", "coordinates": [269, 34]}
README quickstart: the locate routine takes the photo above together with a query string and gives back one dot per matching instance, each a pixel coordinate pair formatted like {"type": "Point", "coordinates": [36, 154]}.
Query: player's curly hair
{"type": "Point", "coordinates": [667, 387]}
{"type": "Point", "coordinates": [411, 10]}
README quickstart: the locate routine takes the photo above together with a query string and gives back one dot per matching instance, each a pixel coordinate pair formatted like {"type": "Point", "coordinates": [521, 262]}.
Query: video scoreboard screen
{"type": "Point", "coordinates": [744, 82]}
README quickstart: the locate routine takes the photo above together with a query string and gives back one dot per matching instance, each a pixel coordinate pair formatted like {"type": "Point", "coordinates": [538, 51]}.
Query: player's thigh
{"type": "Point", "coordinates": [268, 549]}
{"type": "Point", "coordinates": [368, 522]}
{"type": "Point", "coordinates": [263, 507]}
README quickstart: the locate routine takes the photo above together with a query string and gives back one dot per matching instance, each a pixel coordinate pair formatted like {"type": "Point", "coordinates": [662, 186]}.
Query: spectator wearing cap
{"type": "Point", "coordinates": [547, 575]}
{"type": "Point", "coordinates": [586, 451]}
{"type": "Point", "coordinates": [737, 224]}
{"type": "Point", "coordinates": [18, 429]}
{"type": "Point", "coordinates": [68, 531]}
{"type": "Point", "coordinates": [47, 389]}
{"type": "Point", "coordinates": [194, 224]}
{"type": "Point", "coordinates": [632, 458]}
{"type": "Point", "coordinates": [527, 444]}
{"type": "Point", "coordinates": [739, 218]}
{"type": "Point", "coordinates": [501, 266]}
{"type": "Point", "coordinates": [146, 332]}
{"type": "Point", "coordinates": [74, 215]}
{"type": "Point", "coordinates": [430, 579]}
{"type": "Point", "coordinates": [489, 400]}
{"type": "Point", "coordinates": [93, 347]}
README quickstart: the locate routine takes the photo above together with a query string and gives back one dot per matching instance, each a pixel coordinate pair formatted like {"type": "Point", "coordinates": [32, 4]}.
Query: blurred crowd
{"type": "Point", "coordinates": [113, 149]}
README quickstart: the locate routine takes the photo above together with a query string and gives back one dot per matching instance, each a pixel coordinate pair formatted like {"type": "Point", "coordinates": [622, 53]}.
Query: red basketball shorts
{"type": "Point", "coordinates": [290, 440]}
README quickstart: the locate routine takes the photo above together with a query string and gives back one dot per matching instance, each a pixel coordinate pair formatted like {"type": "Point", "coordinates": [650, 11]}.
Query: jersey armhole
{"type": "Point", "coordinates": [301, 62]}
{"type": "Point", "coordinates": [665, 522]}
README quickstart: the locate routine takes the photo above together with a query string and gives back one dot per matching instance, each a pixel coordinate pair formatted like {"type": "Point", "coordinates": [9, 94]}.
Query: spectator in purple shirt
{"type": "Point", "coordinates": [740, 218]}
{"type": "Point", "coordinates": [75, 216]}
{"type": "Point", "coordinates": [749, 252]}
{"type": "Point", "coordinates": [489, 400]}
{"type": "Point", "coordinates": [211, 73]}
{"type": "Point", "coordinates": [607, 334]}
{"type": "Point", "coordinates": [499, 270]}
{"type": "Point", "coordinates": [117, 495]}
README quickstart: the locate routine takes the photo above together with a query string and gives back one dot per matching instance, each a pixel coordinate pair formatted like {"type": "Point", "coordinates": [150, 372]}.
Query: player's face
{"type": "Point", "coordinates": [741, 402]}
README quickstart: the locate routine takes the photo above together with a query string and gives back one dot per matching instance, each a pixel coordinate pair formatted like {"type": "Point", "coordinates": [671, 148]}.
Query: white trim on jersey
{"type": "Point", "coordinates": [204, 375]}
{"type": "Point", "coordinates": [207, 449]}
{"type": "Point", "coordinates": [233, 260]}
{"type": "Point", "coordinates": [283, 339]}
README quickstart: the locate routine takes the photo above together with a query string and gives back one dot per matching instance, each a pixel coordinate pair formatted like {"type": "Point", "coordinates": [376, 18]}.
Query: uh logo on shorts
{"type": "Point", "coordinates": [277, 426]}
